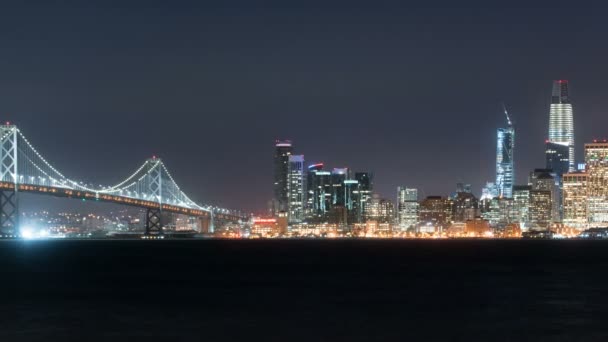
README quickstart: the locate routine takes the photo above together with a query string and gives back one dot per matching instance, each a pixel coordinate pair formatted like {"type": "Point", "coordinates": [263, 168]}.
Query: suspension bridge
{"type": "Point", "coordinates": [151, 187]}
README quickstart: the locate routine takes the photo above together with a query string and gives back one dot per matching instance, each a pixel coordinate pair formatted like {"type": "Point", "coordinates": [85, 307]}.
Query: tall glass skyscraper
{"type": "Point", "coordinates": [296, 188]}
{"type": "Point", "coordinates": [505, 174]}
{"type": "Point", "coordinates": [282, 152]}
{"type": "Point", "coordinates": [561, 122]}
{"type": "Point", "coordinates": [407, 207]}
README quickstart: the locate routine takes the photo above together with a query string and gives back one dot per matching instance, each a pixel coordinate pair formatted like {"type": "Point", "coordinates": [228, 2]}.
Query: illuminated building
{"type": "Point", "coordinates": [489, 191]}
{"type": "Point", "coordinates": [319, 192]}
{"type": "Point", "coordinates": [265, 227]}
{"type": "Point", "coordinates": [296, 188]}
{"type": "Point", "coordinates": [558, 161]}
{"type": "Point", "coordinates": [596, 160]}
{"type": "Point", "coordinates": [556, 157]}
{"type": "Point", "coordinates": [464, 207]}
{"type": "Point", "coordinates": [456, 229]}
{"type": "Point", "coordinates": [477, 227]}
{"type": "Point", "coordinates": [435, 211]}
{"type": "Point", "coordinates": [521, 205]}
{"type": "Point", "coordinates": [362, 195]}
{"type": "Point", "coordinates": [338, 195]}
{"type": "Point", "coordinates": [461, 187]}
{"type": "Point", "coordinates": [350, 187]}
{"type": "Point", "coordinates": [540, 209]}
{"type": "Point", "coordinates": [407, 207]}
{"type": "Point", "coordinates": [505, 173]}
{"type": "Point", "coordinates": [561, 122]}
{"type": "Point", "coordinates": [575, 200]}
{"type": "Point", "coordinates": [512, 230]}
{"type": "Point", "coordinates": [282, 152]}
{"type": "Point", "coordinates": [545, 179]}
{"type": "Point", "coordinates": [379, 210]}
{"type": "Point", "coordinates": [499, 211]}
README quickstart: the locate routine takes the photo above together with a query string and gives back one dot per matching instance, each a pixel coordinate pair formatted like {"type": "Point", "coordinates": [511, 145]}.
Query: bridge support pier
{"type": "Point", "coordinates": [9, 214]}
{"type": "Point", "coordinates": [153, 222]}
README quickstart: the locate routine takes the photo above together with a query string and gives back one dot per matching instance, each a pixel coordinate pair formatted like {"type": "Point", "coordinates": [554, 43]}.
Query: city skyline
{"type": "Point", "coordinates": [385, 89]}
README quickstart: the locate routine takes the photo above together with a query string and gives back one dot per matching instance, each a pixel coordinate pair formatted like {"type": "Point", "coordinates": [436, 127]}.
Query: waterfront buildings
{"type": "Point", "coordinates": [436, 212]}
{"type": "Point", "coordinates": [561, 121]}
{"type": "Point", "coordinates": [477, 227]}
{"type": "Point", "coordinates": [498, 211]}
{"type": "Point", "coordinates": [379, 210]}
{"type": "Point", "coordinates": [464, 206]}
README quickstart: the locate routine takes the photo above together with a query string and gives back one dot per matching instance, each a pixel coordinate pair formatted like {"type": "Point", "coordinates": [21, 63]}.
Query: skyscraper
{"type": "Point", "coordinates": [561, 122]}
{"type": "Point", "coordinates": [363, 193]}
{"type": "Point", "coordinates": [407, 207]}
{"type": "Point", "coordinates": [575, 200]}
{"type": "Point", "coordinates": [544, 179]}
{"type": "Point", "coordinates": [338, 176]}
{"type": "Point", "coordinates": [282, 152]}
{"type": "Point", "coordinates": [319, 192]}
{"type": "Point", "coordinates": [505, 144]}
{"type": "Point", "coordinates": [296, 188]}
{"type": "Point", "coordinates": [521, 205]}
{"type": "Point", "coordinates": [596, 159]}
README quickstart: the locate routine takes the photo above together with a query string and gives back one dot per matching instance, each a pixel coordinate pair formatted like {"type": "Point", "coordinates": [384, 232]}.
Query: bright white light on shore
{"type": "Point", "coordinates": [27, 233]}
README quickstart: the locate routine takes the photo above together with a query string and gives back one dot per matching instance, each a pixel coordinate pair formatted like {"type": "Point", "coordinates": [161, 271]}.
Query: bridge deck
{"type": "Point", "coordinates": [90, 195]}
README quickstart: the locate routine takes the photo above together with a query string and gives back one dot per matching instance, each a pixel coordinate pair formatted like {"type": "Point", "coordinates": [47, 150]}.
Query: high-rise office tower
{"type": "Point", "coordinates": [575, 200]}
{"type": "Point", "coordinates": [540, 209]}
{"type": "Point", "coordinates": [556, 157]}
{"type": "Point", "coordinates": [544, 179]}
{"type": "Point", "coordinates": [338, 194]}
{"type": "Point", "coordinates": [435, 211]}
{"type": "Point", "coordinates": [363, 194]}
{"type": "Point", "coordinates": [505, 173]}
{"type": "Point", "coordinates": [557, 161]}
{"type": "Point", "coordinates": [465, 206]}
{"type": "Point", "coordinates": [380, 210]}
{"type": "Point", "coordinates": [319, 192]}
{"type": "Point", "coordinates": [596, 160]}
{"type": "Point", "coordinates": [561, 121]}
{"type": "Point", "coordinates": [282, 152]}
{"type": "Point", "coordinates": [407, 207]}
{"type": "Point", "coordinates": [296, 188]}
{"type": "Point", "coordinates": [521, 205]}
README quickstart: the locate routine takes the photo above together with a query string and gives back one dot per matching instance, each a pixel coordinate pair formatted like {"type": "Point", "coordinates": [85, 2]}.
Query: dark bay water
{"type": "Point", "coordinates": [304, 290]}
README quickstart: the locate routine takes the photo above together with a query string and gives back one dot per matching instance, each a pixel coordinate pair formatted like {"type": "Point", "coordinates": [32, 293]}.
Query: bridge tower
{"type": "Point", "coordinates": [154, 224]}
{"type": "Point", "coordinates": [9, 205]}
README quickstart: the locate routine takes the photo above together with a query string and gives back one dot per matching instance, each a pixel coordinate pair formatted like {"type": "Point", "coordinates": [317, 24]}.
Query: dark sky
{"type": "Point", "coordinates": [411, 92]}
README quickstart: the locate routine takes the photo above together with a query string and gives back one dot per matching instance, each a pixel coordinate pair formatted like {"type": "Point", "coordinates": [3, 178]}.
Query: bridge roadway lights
{"type": "Point", "coordinates": [9, 214]}
{"type": "Point", "coordinates": [153, 222]}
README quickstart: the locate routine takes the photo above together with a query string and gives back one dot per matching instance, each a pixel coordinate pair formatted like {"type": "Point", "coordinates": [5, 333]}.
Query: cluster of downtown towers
{"type": "Point", "coordinates": [314, 195]}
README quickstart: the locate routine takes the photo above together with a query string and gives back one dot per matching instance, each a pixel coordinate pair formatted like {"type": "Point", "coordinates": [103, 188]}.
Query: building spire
{"type": "Point", "coordinates": [504, 108]}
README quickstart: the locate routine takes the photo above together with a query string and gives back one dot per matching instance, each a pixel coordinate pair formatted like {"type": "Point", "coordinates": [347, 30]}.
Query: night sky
{"type": "Point", "coordinates": [410, 92]}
